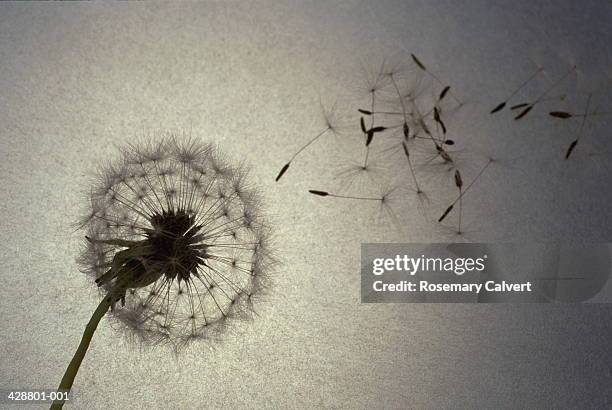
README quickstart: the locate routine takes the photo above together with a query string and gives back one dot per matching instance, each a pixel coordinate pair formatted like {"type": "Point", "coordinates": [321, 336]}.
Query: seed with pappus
{"type": "Point", "coordinates": [176, 242]}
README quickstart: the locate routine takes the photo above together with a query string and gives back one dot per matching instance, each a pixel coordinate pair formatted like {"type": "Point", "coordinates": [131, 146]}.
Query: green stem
{"type": "Point", "coordinates": [75, 363]}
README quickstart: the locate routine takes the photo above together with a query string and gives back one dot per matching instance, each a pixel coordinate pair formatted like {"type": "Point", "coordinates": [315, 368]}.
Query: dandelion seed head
{"type": "Point", "coordinates": [176, 238]}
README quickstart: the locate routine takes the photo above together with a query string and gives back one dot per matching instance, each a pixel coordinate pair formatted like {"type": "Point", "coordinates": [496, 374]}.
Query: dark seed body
{"type": "Point", "coordinates": [443, 93]}
{"type": "Point", "coordinates": [524, 112]}
{"type": "Point", "coordinates": [560, 114]}
{"type": "Point", "coordinates": [418, 62]}
{"type": "Point", "coordinates": [517, 106]}
{"type": "Point", "coordinates": [282, 171]}
{"type": "Point", "coordinates": [445, 214]}
{"type": "Point", "coordinates": [498, 108]}
{"type": "Point", "coordinates": [458, 179]}
{"type": "Point", "coordinates": [570, 149]}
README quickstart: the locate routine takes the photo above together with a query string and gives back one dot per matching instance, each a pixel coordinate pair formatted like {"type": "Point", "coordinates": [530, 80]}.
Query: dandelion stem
{"type": "Point", "coordinates": [75, 363]}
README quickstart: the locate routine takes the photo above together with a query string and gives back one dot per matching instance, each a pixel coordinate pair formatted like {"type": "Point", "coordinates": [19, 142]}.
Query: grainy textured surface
{"type": "Point", "coordinates": [78, 80]}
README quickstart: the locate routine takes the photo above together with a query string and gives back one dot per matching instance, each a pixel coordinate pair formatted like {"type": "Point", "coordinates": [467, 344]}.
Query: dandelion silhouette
{"type": "Point", "coordinates": [175, 241]}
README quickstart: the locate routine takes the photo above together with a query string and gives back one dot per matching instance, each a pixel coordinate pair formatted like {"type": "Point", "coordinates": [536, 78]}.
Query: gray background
{"type": "Point", "coordinates": [78, 80]}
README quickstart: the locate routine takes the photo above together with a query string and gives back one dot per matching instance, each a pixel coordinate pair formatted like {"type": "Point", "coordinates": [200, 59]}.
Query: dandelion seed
{"type": "Point", "coordinates": [370, 133]}
{"type": "Point", "coordinates": [282, 171]}
{"type": "Point", "coordinates": [501, 105]}
{"type": "Point", "coordinates": [524, 112]}
{"type": "Point", "coordinates": [444, 154]}
{"type": "Point", "coordinates": [463, 192]}
{"type": "Point", "coordinates": [331, 126]}
{"type": "Point", "coordinates": [418, 62]}
{"type": "Point", "coordinates": [560, 114]}
{"type": "Point", "coordinates": [529, 106]}
{"type": "Point", "coordinates": [450, 208]}
{"type": "Point", "coordinates": [439, 120]}
{"type": "Point", "coordinates": [459, 185]}
{"type": "Point", "coordinates": [180, 257]}
{"type": "Point", "coordinates": [572, 146]}
{"type": "Point", "coordinates": [432, 75]}
{"type": "Point", "coordinates": [360, 198]}
{"type": "Point", "coordinates": [517, 106]}
{"type": "Point", "coordinates": [570, 149]}
{"type": "Point", "coordinates": [299, 151]}
{"type": "Point", "coordinates": [498, 107]}
{"type": "Point", "coordinates": [458, 180]}
{"type": "Point", "coordinates": [565, 115]}
{"type": "Point", "coordinates": [406, 130]}
{"type": "Point", "coordinates": [443, 93]}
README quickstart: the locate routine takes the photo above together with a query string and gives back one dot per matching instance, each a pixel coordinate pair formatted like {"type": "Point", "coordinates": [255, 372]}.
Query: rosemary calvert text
{"type": "Point", "coordinates": [425, 286]}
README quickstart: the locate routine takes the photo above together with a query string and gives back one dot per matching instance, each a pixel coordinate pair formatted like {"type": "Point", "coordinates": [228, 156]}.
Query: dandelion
{"type": "Point", "coordinates": [175, 241]}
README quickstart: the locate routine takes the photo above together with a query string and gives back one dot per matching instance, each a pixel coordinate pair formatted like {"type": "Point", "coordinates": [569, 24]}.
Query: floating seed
{"type": "Point", "coordinates": [517, 106]}
{"type": "Point", "coordinates": [444, 92]}
{"type": "Point", "coordinates": [418, 62]}
{"type": "Point", "coordinates": [458, 180]}
{"type": "Point", "coordinates": [439, 120]}
{"type": "Point", "coordinates": [524, 112]}
{"type": "Point", "coordinates": [560, 114]}
{"type": "Point", "coordinates": [501, 105]}
{"type": "Point", "coordinates": [377, 129]}
{"type": "Point", "coordinates": [369, 138]}
{"type": "Point", "coordinates": [570, 149]}
{"type": "Point", "coordinates": [445, 214]}
{"type": "Point", "coordinates": [498, 108]}
{"type": "Point", "coordinates": [282, 171]}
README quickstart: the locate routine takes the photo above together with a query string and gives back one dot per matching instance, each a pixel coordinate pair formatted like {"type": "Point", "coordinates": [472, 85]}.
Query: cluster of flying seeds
{"type": "Point", "coordinates": [405, 113]}
{"type": "Point", "coordinates": [176, 240]}
{"type": "Point", "coordinates": [524, 108]}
